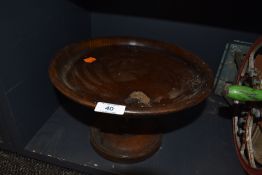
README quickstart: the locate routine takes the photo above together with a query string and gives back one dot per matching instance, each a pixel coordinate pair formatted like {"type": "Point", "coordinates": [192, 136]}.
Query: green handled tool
{"type": "Point", "coordinates": [243, 93]}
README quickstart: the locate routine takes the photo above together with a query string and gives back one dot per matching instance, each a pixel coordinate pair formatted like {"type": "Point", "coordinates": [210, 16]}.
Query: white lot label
{"type": "Point", "coordinates": [110, 108]}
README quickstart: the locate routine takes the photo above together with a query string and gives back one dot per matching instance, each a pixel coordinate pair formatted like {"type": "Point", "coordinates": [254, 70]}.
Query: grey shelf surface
{"type": "Point", "coordinates": [197, 141]}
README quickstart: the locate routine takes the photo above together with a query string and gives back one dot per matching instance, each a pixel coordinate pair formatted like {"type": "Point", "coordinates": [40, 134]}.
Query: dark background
{"type": "Point", "coordinates": [31, 33]}
{"type": "Point", "coordinates": [239, 15]}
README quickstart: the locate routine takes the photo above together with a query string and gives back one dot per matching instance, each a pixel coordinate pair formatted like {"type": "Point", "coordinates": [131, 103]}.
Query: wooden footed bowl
{"type": "Point", "coordinates": [149, 77]}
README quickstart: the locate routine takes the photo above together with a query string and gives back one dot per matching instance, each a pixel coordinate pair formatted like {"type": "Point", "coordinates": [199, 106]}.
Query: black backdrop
{"type": "Point", "coordinates": [239, 15]}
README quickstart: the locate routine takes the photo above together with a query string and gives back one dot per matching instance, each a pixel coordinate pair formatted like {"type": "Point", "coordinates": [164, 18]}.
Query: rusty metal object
{"type": "Point", "coordinates": [148, 76]}
{"type": "Point", "coordinates": [247, 128]}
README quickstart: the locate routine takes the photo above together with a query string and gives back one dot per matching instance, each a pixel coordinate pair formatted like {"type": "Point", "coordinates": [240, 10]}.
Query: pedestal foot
{"type": "Point", "coordinates": [125, 148]}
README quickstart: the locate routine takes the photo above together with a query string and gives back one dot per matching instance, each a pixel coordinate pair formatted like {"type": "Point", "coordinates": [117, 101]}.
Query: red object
{"type": "Point", "coordinates": [89, 59]}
